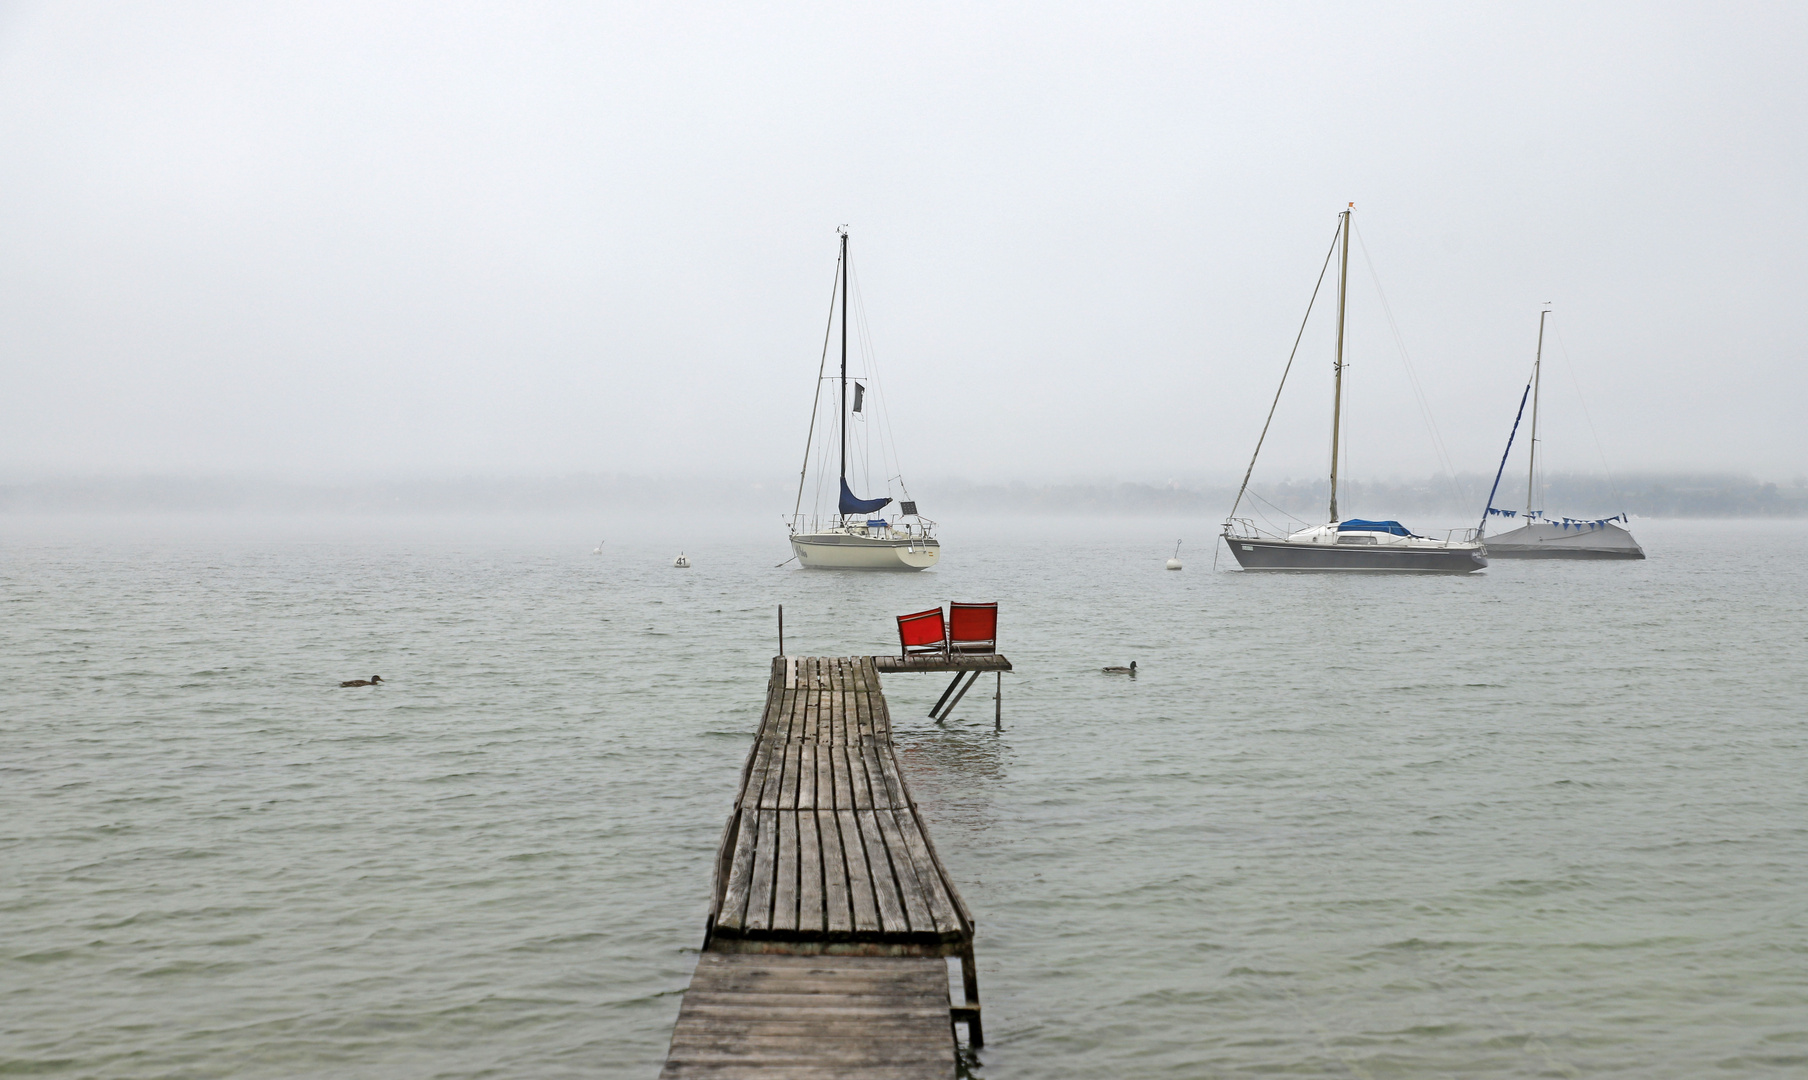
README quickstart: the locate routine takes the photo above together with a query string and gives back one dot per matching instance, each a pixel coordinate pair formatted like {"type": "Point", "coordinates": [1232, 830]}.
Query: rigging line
{"type": "Point", "coordinates": [817, 400]}
{"type": "Point", "coordinates": [1618, 495]}
{"type": "Point", "coordinates": [1412, 376]}
{"type": "Point", "coordinates": [1286, 516]}
{"type": "Point", "coordinates": [1277, 390]}
{"type": "Point", "coordinates": [887, 433]}
{"type": "Point", "coordinates": [863, 340]}
{"type": "Point", "coordinates": [871, 427]}
{"type": "Point", "coordinates": [888, 438]}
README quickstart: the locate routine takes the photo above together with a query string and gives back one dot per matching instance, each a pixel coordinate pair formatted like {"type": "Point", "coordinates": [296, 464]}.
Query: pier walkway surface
{"type": "Point", "coordinates": [832, 916]}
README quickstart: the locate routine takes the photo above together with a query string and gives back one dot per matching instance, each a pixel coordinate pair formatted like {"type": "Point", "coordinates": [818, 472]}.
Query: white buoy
{"type": "Point", "coordinates": [599, 548]}
{"type": "Point", "coordinates": [682, 562]}
{"type": "Point", "coordinates": [1174, 563]}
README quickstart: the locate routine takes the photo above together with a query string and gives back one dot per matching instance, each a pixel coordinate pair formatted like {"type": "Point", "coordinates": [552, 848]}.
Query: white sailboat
{"type": "Point", "coordinates": [857, 536]}
{"type": "Point", "coordinates": [1538, 535]}
{"type": "Point", "coordinates": [1343, 544]}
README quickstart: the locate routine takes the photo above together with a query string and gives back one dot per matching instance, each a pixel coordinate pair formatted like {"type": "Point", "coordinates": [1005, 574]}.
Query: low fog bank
{"type": "Point", "coordinates": [1458, 499]}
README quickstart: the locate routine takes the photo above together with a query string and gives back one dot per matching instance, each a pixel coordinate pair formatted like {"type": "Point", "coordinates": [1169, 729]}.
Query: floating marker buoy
{"type": "Point", "coordinates": [682, 562]}
{"type": "Point", "coordinates": [1174, 563]}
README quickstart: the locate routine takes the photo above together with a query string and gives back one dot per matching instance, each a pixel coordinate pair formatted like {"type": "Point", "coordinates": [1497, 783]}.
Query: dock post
{"type": "Point", "coordinates": [998, 705]}
{"type": "Point", "coordinates": [976, 1036]}
{"type": "Point", "coordinates": [781, 629]}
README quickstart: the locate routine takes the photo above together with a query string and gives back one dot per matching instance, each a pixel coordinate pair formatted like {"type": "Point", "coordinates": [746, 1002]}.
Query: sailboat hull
{"type": "Point", "coordinates": [1261, 554]}
{"type": "Point", "coordinates": [1550, 540]}
{"type": "Point", "coordinates": [844, 551]}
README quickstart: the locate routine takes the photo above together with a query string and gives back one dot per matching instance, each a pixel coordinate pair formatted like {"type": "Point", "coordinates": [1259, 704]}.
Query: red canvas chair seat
{"type": "Point", "coordinates": [973, 628]}
{"type": "Point", "coordinates": [923, 632]}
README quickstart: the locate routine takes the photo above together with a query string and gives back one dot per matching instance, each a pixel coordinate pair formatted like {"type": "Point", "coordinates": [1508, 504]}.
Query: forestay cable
{"type": "Point", "coordinates": [816, 399]}
{"type": "Point", "coordinates": [1284, 371]}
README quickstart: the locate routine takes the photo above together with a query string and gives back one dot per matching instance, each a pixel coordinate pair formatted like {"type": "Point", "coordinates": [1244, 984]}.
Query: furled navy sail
{"type": "Point", "coordinates": [852, 505]}
{"type": "Point", "coordinates": [1392, 528]}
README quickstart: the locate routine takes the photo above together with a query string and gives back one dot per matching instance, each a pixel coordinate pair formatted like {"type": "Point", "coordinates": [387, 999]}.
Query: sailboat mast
{"type": "Point", "coordinates": [844, 332]}
{"type": "Point", "coordinates": [1343, 281]}
{"type": "Point", "coordinates": [1532, 446]}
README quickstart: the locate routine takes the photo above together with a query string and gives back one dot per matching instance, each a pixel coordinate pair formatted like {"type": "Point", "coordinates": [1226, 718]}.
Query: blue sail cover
{"type": "Point", "coordinates": [1358, 525]}
{"type": "Point", "coordinates": [851, 505]}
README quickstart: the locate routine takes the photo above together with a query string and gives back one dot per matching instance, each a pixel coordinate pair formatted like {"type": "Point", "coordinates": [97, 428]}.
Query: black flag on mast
{"type": "Point", "coordinates": [859, 396]}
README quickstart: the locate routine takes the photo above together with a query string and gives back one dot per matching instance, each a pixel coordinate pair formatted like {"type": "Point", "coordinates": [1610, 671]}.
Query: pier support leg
{"type": "Point", "coordinates": [971, 677]}
{"type": "Point", "coordinates": [936, 712]}
{"type": "Point", "coordinates": [998, 705]}
{"type": "Point", "coordinates": [976, 1035]}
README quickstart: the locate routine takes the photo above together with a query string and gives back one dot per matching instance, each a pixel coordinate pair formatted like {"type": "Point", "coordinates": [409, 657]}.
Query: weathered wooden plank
{"type": "Point", "coordinates": [881, 711]}
{"type": "Point", "coordinates": [823, 790]}
{"type": "Point", "coordinates": [805, 797]}
{"type": "Point", "coordinates": [854, 982]}
{"type": "Point", "coordinates": [788, 720]}
{"type": "Point", "coordinates": [786, 762]}
{"type": "Point", "coordinates": [784, 890]}
{"type": "Point", "coordinates": [910, 889]}
{"type": "Point", "coordinates": [855, 992]}
{"type": "Point", "coordinates": [837, 708]}
{"type": "Point", "coordinates": [889, 782]}
{"type": "Point", "coordinates": [861, 897]}
{"type": "Point", "coordinates": [810, 920]}
{"type": "Point", "coordinates": [812, 715]}
{"type": "Point", "coordinates": [745, 1036]}
{"type": "Point", "coordinates": [859, 782]}
{"type": "Point", "coordinates": [936, 892]}
{"type": "Point", "coordinates": [892, 919]}
{"type": "Point", "coordinates": [773, 778]}
{"type": "Point", "coordinates": [753, 782]}
{"type": "Point", "coordinates": [862, 707]}
{"type": "Point", "coordinates": [765, 859]}
{"type": "Point", "coordinates": [838, 919]}
{"type": "Point", "coordinates": [732, 915]}
{"type": "Point", "coordinates": [844, 777]}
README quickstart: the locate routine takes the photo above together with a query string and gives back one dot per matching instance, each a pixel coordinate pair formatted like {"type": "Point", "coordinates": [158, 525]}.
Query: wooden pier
{"type": "Point", "coordinates": [832, 917]}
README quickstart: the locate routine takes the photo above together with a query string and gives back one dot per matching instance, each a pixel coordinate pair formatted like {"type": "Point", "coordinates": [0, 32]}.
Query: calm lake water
{"type": "Point", "coordinates": [1549, 820]}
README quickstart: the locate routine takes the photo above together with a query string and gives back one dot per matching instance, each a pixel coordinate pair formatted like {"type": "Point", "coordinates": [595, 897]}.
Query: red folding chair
{"type": "Point", "coordinates": [973, 628]}
{"type": "Point", "coordinates": [924, 632]}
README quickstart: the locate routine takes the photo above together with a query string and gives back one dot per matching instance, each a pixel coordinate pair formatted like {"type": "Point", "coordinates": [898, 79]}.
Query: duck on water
{"type": "Point", "coordinates": [372, 681]}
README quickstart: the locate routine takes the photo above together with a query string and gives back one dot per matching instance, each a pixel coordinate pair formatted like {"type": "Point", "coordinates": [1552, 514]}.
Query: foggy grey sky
{"type": "Point", "coordinates": [436, 238]}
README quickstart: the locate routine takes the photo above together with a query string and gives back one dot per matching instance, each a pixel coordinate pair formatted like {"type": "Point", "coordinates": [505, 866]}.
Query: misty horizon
{"type": "Point", "coordinates": [1438, 497]}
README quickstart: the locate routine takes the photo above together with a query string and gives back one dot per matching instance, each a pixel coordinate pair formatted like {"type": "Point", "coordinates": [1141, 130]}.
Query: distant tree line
{"type": "Point", "coordinates": [1574, 495]}
{"type": "Point", "coordinates": [1461, 498]}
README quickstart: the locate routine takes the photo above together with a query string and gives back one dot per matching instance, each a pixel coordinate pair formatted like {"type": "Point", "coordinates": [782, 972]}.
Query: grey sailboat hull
{"type": "Point", "coordinates": [1549, 540]}
{"type": "Point", "coordinates": [1257, 554]}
